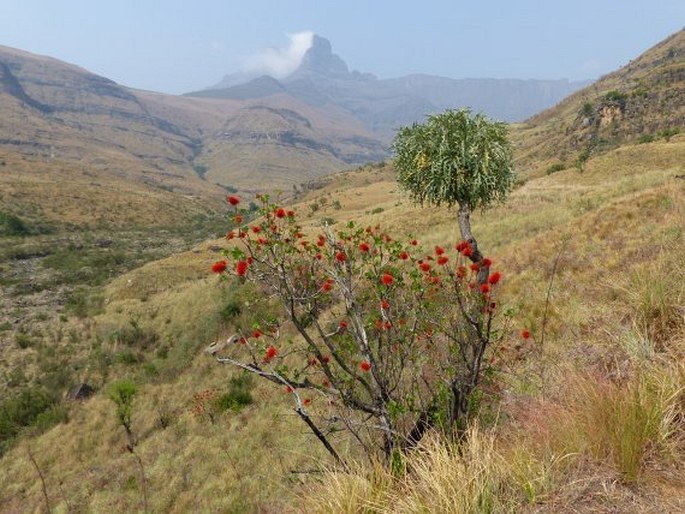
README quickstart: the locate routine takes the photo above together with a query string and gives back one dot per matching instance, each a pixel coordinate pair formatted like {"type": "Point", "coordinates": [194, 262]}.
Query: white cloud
{"type": "Point", "coordinates": [279, 62]}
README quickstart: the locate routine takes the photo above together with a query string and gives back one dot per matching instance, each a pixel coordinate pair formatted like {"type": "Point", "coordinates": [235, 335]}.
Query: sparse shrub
{"type": "Point", "coordinates": [554, 168]}
{"type": "Point", "coordinates": [392, 312]}
{"type": "Point", "coordinates": [646, 138]}
{"type": "Point", "coordinates": [667, 134]}
{"type": "Point", "coordinates": [122, 393]}
{"type": "Point", "coordinates": [23, 340]}
{"type": "Point", "coordinates": [582, 158]}
{"type": "Point", "coordinates": [377, 210]}
{"type": "Point", "coordinates": [587, 111]}
{"type": "Point", "coordinates": [616, 98]}
{"type": "Point", "coordinates": [238, 396]}
{"type": "Point", "coordinates": [24, 410]}
{"type": "Point", "coordinates": [230, 310]}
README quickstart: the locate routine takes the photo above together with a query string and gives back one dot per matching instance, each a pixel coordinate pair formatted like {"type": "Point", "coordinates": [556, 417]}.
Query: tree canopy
{"type": "Point", "coordinates": [455, 157]}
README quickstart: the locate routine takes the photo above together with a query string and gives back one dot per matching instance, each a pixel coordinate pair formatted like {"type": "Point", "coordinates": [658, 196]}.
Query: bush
{"type": "Point", "coordinates": [373, 314]}
{"type": "Point", "coordinates": [24, 410]}
{"type": "Point", "coordinates": [238, 396]}
{"type": "Point", "coordinates": [559, 166]}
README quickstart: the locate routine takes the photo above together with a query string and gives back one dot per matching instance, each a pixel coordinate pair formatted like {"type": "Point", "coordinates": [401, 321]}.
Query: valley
{"type": "Point", "coordinates": [113, 210]}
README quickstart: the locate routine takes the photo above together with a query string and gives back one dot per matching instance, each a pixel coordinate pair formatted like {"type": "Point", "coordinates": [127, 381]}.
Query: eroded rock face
{"type": "Point", "coordinates": [609, 114]}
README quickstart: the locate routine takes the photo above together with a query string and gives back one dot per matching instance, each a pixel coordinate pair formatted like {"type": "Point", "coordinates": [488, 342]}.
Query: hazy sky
{"type": "Point", "coordinates": [177, 46]}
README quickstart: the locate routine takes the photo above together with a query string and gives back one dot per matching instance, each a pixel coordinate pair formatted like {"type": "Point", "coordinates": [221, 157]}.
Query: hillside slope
{"type": "Point", "coordinates": [640, 102]}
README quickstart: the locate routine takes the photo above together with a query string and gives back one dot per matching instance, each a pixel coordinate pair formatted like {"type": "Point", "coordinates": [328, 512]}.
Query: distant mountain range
{"type": "Point", "coordinates": [260, 133]}
{"type": "Point", "coordinates": [324, 79]}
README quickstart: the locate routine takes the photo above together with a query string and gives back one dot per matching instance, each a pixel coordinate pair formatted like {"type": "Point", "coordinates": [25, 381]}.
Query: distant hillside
{"type": "Point", "coordinates": [56, 111]}
{"type": "Point", "coordinates": [641, 102]}
{"type": "Point", "coordinates": [323, 79]}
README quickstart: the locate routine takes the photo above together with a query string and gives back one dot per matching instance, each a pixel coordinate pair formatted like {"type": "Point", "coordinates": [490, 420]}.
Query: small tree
{"type": "Point", "coordinates": [392, 337]}
{"type": "Point", "coordinates": [456, 158]}
{"type": "Point", "coordinates": [122, 393]}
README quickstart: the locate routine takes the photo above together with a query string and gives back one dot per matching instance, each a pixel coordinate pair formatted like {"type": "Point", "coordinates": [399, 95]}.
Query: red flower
{"type": "Point", "coordinates": [242, 340]}
{"type": "Point", "coordinates": [387, 279]}
{"type": "Point", "coordinates": [525, 333]}
{"type": "Point", "coordinates": [475, 266]}
{"type": "Point", "coordinates": [387, 325]}
{"type": "Point", "coordinates": [307, 401]}
{"type": "Point", "coordinates": [365, 365]}
{"type": "Point", "coordinates": [271, 352]}
{"type": "Point", "coordinates": [340, 257]}
{"type": "Point", "coordinates": [425, 267]}
{"type": "Point", "coordinates": [439, 250]}
{"type": "Point", "coordinates": [442, 260]}
{"type": "Point", "coordinates": [413, 242]}
{"type": "Point", "coordinates": [256, 229]}
{"type": "Point", "coordinates": [404, 256]}
{"type": "Point", "coordinates": [364, 247]}
{"type": "Point", "coordinates": [385, 304]}
{"type": "Point", "coordinates": [327, 285]}
{"type": "Point", "coordinates": [230, 235]}
{"type": "Point", "coordinates": [321, 242]}
{"type": "Point", "coordinates": [238, 218]}
{"type": "Point", "coordinates": [233, 200]}
{"type": "Point", "coordinates": [461, 271]}
{"type": "Point", "coordinates": [280, 212]}
{"type": "Point", "coordinates": [314, 362]}
{"type": "Point", "coordinates": [487, 262]}
{"type": "Point", "coordinates": [291, 214]}
{"type": "Point", "coordinates": [378, 324]}
{"type": "Point", "coordinates": [318, 256]}
{"type": "Point", "coordinates": [219, 267]}
{"type": "Point", "coordinates": [325, 359]}
{"type": "Point", "coordinates": [495, 278]}
{"type": "Point", "coordinates": [485, 288]}
{"type": "Point", "coordinates": [342, 326]}
{"type": "Point", "coordinates": [241, 268]}
{"type": "Point", "coordinates": [257, 334]}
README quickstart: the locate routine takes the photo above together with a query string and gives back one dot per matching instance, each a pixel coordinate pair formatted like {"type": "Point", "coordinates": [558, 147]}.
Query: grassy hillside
{"type": "Point", "coordinates": [588, 421]}
{"type": "Point", "coordinates": [641, 102]}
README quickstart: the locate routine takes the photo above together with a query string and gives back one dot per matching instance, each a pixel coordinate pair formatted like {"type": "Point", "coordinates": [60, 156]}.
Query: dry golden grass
{"type": "Point", "coordinates": [587, 422]}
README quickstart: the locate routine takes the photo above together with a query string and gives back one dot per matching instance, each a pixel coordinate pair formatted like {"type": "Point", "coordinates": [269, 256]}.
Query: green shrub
{"type": "Point", "coordinates": [646, 138]}
{"type": "Point", "coordinates": [238, 396]}
{"type": "Point", "coordinates": [559, 166]}
{"type": "Point", "coordinates": [24, 410]}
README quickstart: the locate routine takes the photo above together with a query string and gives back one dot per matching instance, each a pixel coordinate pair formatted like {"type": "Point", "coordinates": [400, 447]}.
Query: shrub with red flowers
{"type": "Point", "coordinates": [371, 338]}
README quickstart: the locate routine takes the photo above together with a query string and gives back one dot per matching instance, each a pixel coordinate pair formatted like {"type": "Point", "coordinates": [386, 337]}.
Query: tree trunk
{"type": "Point", "coordinates": [464, 221]}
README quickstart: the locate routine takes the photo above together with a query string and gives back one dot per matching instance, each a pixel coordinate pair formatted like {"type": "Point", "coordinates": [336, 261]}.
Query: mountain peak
{"type": "Point", "coordinates": [320, 59]}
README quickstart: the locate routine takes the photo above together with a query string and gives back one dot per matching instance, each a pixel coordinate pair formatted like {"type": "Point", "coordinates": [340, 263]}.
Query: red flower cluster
{"type": "Point", "coordinates": [241, 268]}
{"type": "Point", "coordinates": [425, 267]}
{"type": "Point", "coordinates": [233, 200]}
{"type": "Point", "coordinates": [327, 285]}
{"type": "Point", "coordinates": [364, 247]}
{"type": "Point", "coordinates": [404, 256]}
{"type": "Point", "coordinates": [439, 250]}
{"type": "Point", "coordinates": [365, 365]}
{"type": "Point", "coordinates": [442, 260]}
{"type": "Point", "coordinates": [387, 279]}
{"type": "Point", "coordinates": [270, 353]}
{"type": "Point", "coordinates": [340, 257]}
{"type": "Point", "coordinates": [495, 278]}
{"type": "Point", "coordinates": [219, 267]}
{"type": "Point", "coordinates": [525, 333]}
{"type": "Point", "coordinates": [280, 212]}
{"type": "Point", "coordinates": [385, 304]}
